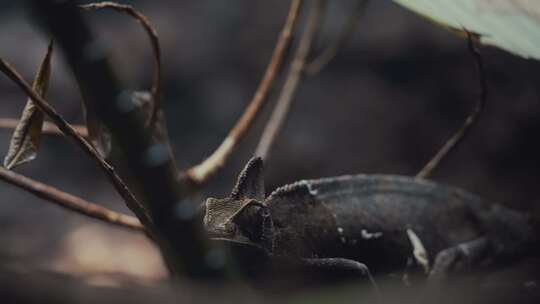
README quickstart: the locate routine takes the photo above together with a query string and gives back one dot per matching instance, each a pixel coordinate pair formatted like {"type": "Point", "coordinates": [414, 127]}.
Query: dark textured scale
{"type": "Point", "coordinates": [366, 217]}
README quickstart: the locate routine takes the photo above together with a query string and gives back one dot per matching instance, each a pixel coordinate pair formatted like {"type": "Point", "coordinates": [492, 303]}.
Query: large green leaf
{"type": "Point", "coordinates": [513, 25]}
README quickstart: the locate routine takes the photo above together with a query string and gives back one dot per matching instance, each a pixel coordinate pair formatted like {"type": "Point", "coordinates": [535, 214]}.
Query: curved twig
{"type": "Point", "coordinates": [70, 132]}
{"type": "Point", "coordinates": [202, 172]}
{"type": "Point", "coordinates": [344, 36]}
{"type": "Point", "coordinates": [471, 119]}
{"type": "Point", "coordinates": [291, 83]}
{"type": "Point", "coordinates": [154, 40]}
{"type": "Point", "coordinates": [48, 127]}
{"type": "Point", "coordinates": [175, 225]}
{"type": "Point", "coordinates": [69, 201]}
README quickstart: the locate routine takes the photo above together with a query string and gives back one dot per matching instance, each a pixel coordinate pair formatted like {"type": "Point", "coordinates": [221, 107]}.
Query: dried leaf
{"type": "Point", "coordinates": [26, 138]}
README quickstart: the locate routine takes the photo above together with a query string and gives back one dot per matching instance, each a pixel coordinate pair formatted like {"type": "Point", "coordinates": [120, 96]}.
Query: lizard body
{"type": "Point", "coordinates": [384, 222]}
{"type": "Point", "coordinates": [367, 218]}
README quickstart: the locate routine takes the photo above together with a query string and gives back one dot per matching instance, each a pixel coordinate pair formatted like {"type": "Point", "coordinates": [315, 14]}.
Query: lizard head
{"type": "Point", "coordinates": [243, 216]}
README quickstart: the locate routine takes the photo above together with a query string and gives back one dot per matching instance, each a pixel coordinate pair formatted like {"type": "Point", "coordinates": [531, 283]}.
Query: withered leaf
{"type": "Point", "coordinates": [26, 138]}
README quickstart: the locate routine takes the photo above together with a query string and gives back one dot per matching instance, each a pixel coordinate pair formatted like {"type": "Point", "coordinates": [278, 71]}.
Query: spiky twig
{"type": "Point", "coordinates": [471, 119]}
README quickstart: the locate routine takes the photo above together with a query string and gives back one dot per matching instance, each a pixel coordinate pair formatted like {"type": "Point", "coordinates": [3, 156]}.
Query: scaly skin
{"type": "Point", "coordinates": [371, 219]}
{"type": "Point", "coordinates": [365, 218]}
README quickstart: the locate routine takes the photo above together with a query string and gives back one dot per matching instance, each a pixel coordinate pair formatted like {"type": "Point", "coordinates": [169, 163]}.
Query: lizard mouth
{"type": "Point", "coordinates": [237, 241]}
{"type": "Point", "coordinates": [240, 245]}
{"type": "Point", "coordinates": [228, 233]}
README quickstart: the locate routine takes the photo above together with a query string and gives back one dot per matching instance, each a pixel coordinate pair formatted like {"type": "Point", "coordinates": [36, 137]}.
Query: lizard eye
{"type": "Point", "coordinates": [250, 220]}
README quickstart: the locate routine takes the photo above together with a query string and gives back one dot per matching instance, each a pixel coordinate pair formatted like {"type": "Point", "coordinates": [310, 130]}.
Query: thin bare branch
{"type": "Point", "coordinates": [344, 36]}
{"type": "Point", "coordinates": [70, 132]}
{"type": "Point", "coordinates": [290, 86]}
{"type": "Point", "coordinates": [210, 166]}
{"type": "Point", "coordinates": [69, 201]}
{"type": "Point", "coordinates": [471, 119]}
{"type": "Point", "coordinates": [154, 40]}
{"type": "Point", "coordinates": [48, 127]}
{"type": "Point", "coordinates": [175, 226]}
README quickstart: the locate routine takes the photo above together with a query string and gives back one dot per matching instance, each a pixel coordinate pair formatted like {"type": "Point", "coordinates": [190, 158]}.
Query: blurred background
{"type": "Point", "coordinates": [385, 104]}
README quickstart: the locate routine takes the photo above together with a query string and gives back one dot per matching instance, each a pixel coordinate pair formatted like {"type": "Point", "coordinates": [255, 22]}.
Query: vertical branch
{"type": "Point", "coordinates": [291, 83]}
{"type": "Point", "coordinates": [210, 166]}
{"type": "Point", "coordinates": [177, 230]}
{"type": "Point", "coordinates": [471, 119]}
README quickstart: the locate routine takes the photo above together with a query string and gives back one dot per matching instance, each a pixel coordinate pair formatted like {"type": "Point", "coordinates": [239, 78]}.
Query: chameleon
{"type": "Point", "coordinates": [364, 224]}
